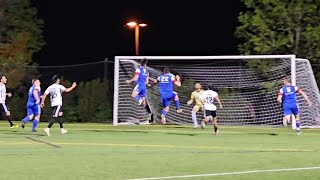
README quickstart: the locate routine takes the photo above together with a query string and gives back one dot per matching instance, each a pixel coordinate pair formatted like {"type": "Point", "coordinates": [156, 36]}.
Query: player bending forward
{"type": "Point", "coordinates": [55, 91]}
{"type": "Point", "coordinates": [207, 98]}
{"type": "Point", "coordinates": [166, 81]}
{"type": "Point", "coordinates": [288, 96]}
{"type": "Point", "coordinates": [33, 105]}
{"type": "Point", "coordinates": [195, 97]}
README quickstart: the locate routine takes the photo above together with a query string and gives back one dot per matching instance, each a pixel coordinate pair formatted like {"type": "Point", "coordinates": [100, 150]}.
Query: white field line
{"type": "Point", "coordinates": [230, 173]}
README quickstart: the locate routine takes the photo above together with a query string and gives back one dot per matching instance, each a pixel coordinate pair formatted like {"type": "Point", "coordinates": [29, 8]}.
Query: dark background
{"type": "Point", "coordinates": [78, 31]}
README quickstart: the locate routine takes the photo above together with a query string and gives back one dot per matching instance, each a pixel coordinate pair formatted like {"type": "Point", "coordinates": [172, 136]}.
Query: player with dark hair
{"type": "Point", "coordinates": [207, 98]}
{"type": "Point", "coordinates": [287, 96]}
{"type": "Point", "coordinates": [33, 105]}
{"type": "Point", "coordinates": [166, 82]}
{"type": "Point", "coordinates": [55, 90]}
{"type": "Point", "coordinates": [3, 96]}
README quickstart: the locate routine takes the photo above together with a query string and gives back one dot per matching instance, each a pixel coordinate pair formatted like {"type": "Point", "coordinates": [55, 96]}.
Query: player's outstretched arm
{"type": "Point", "coordinates": [219, 101]}
{"type": "Point", "coordinates": [191, 100]}
{"type": "Point", "coordinates": [44, 96]}
{"type": "Point", "coordinates": [9, 94]}
{"type": "Point", "coordinates": [279, 99]}
{"type": "Point", "coordinates": [177, 82]}
{"type": "Point", "coordinates": [306, 97]}
{"type": "Point", "coordinates": [74, 84]}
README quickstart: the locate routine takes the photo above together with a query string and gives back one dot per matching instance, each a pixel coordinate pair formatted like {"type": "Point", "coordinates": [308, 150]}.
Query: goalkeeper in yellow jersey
{"type": "Point", "coordinates": [198, 105]}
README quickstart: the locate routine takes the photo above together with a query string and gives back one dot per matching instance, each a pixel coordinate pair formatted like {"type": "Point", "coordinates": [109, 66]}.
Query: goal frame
{"type": "Point", "coordinates": [117, 59]}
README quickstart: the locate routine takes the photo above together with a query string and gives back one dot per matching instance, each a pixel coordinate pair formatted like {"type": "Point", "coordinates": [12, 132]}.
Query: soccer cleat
{"type": "Point", "coordinates": [179, 110]}
{"type": "Point", "coordinates": [63, 131]}
{"type": "Point", "coordinates": [216, 133]}
{"type": "Point", "coordinates": [47, 131]}
{"type": "Point", "coordinates": [203, 124]}
{"type": "Point", "coordinates": [195, 127]}
{"type": "Point", "coordinates": [163, 119]}
{"type": "Point", "coordinates": [14, 126]}
{"type": "Point", "coordinates": [23, 124]}
{"type": "Point", "coordinates": [33, 130]}
{"type": "Point", "coordinates": [285, 124]}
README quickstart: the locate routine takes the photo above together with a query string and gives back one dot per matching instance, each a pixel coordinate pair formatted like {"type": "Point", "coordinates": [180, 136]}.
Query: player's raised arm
{"type": "Point", "coordinates": [74, 84]}
{"type": "Point", "coordinates": [305, 96]}
{"type": "Point", "coordinates": [280, 95]}
{"type": "Point", "coordinates": [135, 77]}
{"type": "Point", "coordinates": [177, 81]}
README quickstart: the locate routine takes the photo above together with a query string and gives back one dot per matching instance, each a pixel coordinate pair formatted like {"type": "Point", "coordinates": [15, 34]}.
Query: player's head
{"type": "Point", "coordinates": [3, 79]}
{"type": "Point", "coordinates": [210, 87]}
{"type": "Point", "coordinates": [286, 81]}
{"type": "Point", "coordinates": [197, 86]}
{"type": "Point", "coordinates": [166, 70]}
{"type": "Point", "coordinates": [36, 82]}
{"type": "Point", "coordinates": [143, 62]}
{"type": "Point", "coordinates": [56, 79]}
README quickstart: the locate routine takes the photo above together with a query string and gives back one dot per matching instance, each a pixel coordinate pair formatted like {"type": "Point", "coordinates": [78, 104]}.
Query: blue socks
{"type": "Point", "coordinates": [164, 112]}
{"type": "Point", "coordinates": [177, 104]}
{"type": "Point", "coordinates": [35, 124]}
{"type": "Point", "coordinates": [26, 119]}
{"type": "Point", "coordinates": [137, 98]}
{"type": "Point", "coordinates": [298, 125]}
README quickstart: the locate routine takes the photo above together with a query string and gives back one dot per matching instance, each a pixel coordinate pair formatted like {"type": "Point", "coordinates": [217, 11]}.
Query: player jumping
{"type": "Point", "coordinates": [195, 97]}
{"type": "Point", "coordinates": [3, 95]}
{"type": "Point", "coordinates": [166, 81]}
{"type": "Point", "coordinates": [55, 91]}
{"type": "Point", "coordinates": [288, 96]}
{"type": "Point", "coordinates": [33, 105]}
{"type": "Point", "coordinates": [207, 98]}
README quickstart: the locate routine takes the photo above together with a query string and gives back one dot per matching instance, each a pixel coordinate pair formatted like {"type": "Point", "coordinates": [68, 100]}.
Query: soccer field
{"type": "Point", "coordinates": [99, 151]}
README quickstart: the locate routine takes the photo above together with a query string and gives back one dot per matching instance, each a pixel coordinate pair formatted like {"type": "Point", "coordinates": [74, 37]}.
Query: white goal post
{"type": "Point", "coordinates": [220, 70]}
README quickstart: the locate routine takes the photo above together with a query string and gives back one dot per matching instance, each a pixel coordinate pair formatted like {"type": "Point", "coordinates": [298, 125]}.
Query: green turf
{"type": "Point", "coordinates": [99, 151]}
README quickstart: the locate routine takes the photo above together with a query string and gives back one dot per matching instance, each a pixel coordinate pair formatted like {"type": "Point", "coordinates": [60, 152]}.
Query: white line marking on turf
{"type": "Point", "coordinates": [230, 173]}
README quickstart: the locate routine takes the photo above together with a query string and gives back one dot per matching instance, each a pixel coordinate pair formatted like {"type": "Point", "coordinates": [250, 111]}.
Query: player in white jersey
{"type": "Point", "coordinates": [55, 91]}
{"type": "Point", "coordinates": [3, 96]}
{"type": "Point", "coordinates": [207, 98]}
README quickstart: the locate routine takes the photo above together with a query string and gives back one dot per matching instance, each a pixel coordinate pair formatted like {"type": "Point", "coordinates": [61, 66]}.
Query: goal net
{"type": "Point", "coordinates": [247, 85]}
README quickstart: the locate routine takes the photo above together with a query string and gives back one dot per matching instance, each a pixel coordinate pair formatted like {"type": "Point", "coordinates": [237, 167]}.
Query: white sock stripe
{"type": "Point", "coordinates": [57, 111]}
{"type": "Point", "coordinates": [4, 107]}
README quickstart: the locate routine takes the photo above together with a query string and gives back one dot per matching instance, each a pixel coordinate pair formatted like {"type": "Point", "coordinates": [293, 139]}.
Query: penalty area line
{"type": "Point", "coordinates": [230, 173]}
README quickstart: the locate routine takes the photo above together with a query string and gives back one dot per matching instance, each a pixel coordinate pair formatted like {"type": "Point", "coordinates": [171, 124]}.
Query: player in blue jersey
{"type": "Point", "coordinates": [166, 82]}
{"type": "Point", "coordinates": [141, 77]}
{"type": "Point", "coordinates": [287, 97]}
{"type": "Point", "coordinates": [33, 105]}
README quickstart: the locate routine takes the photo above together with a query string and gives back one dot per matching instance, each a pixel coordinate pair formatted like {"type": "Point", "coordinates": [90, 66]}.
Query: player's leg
{"type": "Point", "coordinates": [206, 119]}
{"type": "Point", "coordinates": [166, 104]}
{"type": "Point", "coordinates": [215, 122]}
{"type": "Point", "coordinates": [30, 116]}
{"type": "Point", "coordinates": [295, 112]}
{"type": "Point", "coordinates": [194, 111]}
{"type": "Point", "coordinates": [55, 112]}
{"type": "Point", "coordinates": [287, 113]}
{"type": "Point", "coordinates": [177, 102]}
{"type": "Point", "coordinates": [135, 94]}
{"type": "Point", "coordinates": [5, 109]}
{"type": "Point", "coordinates": [37, 113]}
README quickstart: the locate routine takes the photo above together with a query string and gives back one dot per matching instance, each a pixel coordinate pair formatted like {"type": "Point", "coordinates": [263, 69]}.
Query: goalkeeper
{"type": "Point", "coordinates": [195, 97]}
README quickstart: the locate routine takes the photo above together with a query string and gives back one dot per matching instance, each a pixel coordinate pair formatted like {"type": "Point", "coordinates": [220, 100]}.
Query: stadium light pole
{"type": "Point", "coordinates": [136, 27]}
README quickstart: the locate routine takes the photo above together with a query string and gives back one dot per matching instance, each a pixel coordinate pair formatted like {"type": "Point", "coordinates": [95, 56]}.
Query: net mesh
{"type": "Point", "coordinates": [248, 93]}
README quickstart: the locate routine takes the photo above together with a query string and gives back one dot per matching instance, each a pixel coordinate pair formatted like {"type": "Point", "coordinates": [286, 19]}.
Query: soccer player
{"type": "Point", "coordinates": [195, 97]}
{"type": "Point", "coordinates": [3, 95]}
{"type": "Point", "coordinates": [287, 96]}
{"type": "Point", "coordinates": [55, 91]}
{"type": "Point", "coordinates": [207, 98]}
{"type": "Point", "coordinates": [141, 77]}
{"type": "Point", "coordinates": [166, 81]}
{"type": "Point", "coordinates": [33, 105]}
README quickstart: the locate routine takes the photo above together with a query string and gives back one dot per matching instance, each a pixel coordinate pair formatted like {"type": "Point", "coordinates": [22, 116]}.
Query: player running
{"type": "Point", "coordinates": [33, 105]}
{"type": "Point", "coordinates": [141, 77]}
{"type": "Point", "coordinates": [288, 96]}
{"type": "Point", "coordinates": [207, 98]}
{"type": "Point", "coordinates": [55, 91]}
{"type": "Point", "coordinates": [3, 96]}
{"type": "Point", "coordinates": [166, 81]}
{"type": "Point", "coordinates": [195, 97]}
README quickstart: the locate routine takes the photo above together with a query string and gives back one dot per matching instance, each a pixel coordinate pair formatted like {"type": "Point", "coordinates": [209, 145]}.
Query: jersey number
{"type": "Point", "coordinates": [209, 100]}
{"type": "Point", "coordinates": [288, 89]}
{"type": "Point", "coordinates": [164, 78]}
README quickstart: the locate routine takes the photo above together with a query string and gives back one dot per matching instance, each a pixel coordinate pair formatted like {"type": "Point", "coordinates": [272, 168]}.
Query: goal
{"type": "Point", "coordinates": [247, 85]}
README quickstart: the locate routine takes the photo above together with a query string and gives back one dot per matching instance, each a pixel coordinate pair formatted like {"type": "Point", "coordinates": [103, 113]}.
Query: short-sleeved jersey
{"type": "Point", "coordinates": [289, 95]}
{"type": "Point", "coordinates": [195, 95]}
{"type": "Point", "coordinates": [208, 98]}
{"type": "Point", "coordinates": [143, 74]}
{"type": "Point", "coordinates": [166, 82]}
{"type": "Point", "coordinates": [31, 99]}
{"type": "Point", "coordinates": [3, 93]}
{"type": "Point", "coordinates": [55, 91]}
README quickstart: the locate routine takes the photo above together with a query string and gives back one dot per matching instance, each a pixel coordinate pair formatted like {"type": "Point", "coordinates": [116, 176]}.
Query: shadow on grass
{"type": "Point", "coordinates": [183, 134]}
{"type": "Point", "coordinates": [111, 130]}
{"type": "Point", "coordinates": [270, 134]}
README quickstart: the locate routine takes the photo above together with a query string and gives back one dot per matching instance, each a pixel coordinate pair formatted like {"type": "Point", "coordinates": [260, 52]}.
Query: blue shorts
{"type": "Point", "coordinates": [167, 97]}
{"type": "Point", "coordinates": [290, 109]}
{"type": "Point", "coordinates": [141, 90]}
{"type": "Point", "coordinates": [33, 109]}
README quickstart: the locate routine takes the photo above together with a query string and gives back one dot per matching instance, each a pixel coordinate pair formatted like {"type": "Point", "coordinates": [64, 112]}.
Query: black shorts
{"type": "Point", "coordinates": [4, 108]}
{"type": "Point", "coordinates": [56, 110]}
{"type": "Point", "coordinates": [211, 113]}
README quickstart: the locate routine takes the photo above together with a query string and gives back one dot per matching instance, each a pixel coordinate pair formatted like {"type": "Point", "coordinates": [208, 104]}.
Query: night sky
{"type": "Point", "coordinates": [79, 31]}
